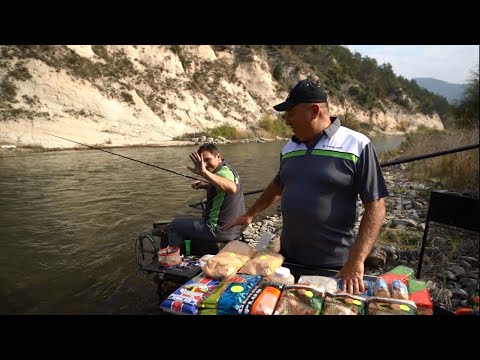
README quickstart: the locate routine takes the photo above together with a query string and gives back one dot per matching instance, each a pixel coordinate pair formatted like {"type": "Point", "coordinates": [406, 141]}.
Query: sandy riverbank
{"type": "Point", "coordinates": [20, 150]}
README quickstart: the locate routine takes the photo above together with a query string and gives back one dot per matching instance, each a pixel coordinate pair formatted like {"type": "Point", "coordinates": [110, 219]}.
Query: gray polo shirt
{"type": "Point", "coordinates": [222, 207]}
{"type": "Point", "coordinates": [321, 184]}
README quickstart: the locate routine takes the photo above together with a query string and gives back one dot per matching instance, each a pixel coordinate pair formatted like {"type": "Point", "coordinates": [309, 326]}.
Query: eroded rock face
{"type": "Point", "coordinates": [147, 94]}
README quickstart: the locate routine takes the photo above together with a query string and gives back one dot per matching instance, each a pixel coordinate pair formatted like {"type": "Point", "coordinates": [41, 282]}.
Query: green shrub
{"type": "Point", "coordinates": [8, 91]}
{"type": "Point", "coordinates": [20, 72]}
{"type": "Point", "coordinates": [100, 51]}
{"type": "Point", "coordinates": [403, 125]}
{"type": "Point", "coordinates": [127, 97]}
{"type": "Point", "coordinates": [281, 127]}
{"type": "Point", "coordinates": [278, 72]}
{"type": "Point", "coordinates": [267, 123]}
{"type": "Point", "coordinates": [350, 121]}
{"type": "Point", "coordinates": [273, 127]}
{"type": "Point", "coordinates": [226, 131]}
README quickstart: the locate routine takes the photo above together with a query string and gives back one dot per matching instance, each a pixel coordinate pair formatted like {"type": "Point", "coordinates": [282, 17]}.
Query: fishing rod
{"type": "Point", "coordinates": [426, 156]}
{"type": "Point", "coordinates": [385, 164]}
{"type": "Point", "coordinates": [129, 158]}
{"type": "Point", "coordinates": [388, 163]}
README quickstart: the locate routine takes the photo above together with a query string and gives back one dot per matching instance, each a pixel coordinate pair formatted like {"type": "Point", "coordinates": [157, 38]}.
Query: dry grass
{"type": "Point", "coordinates": [401, 238]}
{"type": "Point", "coordinates": [456, 172]}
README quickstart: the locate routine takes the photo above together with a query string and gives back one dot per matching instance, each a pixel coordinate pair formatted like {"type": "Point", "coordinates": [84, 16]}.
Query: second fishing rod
{"type": "Point", "coordinates": [385, 164]}
{"type": "Point", "coordinates": [389, 163]}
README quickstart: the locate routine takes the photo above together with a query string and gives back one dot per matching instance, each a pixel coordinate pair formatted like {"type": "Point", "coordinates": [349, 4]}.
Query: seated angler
{"type": "Point", "coordinates": [225, 202]}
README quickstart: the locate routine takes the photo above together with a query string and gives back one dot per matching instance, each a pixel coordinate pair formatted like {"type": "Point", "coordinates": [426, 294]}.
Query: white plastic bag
{"type": "Point", "coordinates": [265, 239]}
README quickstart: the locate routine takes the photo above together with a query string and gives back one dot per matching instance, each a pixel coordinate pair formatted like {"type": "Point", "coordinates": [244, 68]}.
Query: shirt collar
{"type": "Point", "coordinates": [217, 169]}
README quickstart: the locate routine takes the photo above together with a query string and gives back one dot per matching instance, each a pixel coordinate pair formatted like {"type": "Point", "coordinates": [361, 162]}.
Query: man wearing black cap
{"type": "Point", "coordinates": [323, 170]}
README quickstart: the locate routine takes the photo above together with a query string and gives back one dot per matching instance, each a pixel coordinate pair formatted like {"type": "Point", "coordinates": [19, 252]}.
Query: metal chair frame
{"type": "Point", "coordinates": [451, 209]}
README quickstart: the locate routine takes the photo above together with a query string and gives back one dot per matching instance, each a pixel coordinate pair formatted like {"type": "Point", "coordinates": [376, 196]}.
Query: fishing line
{"type": "Point", "coordinates": [129, 158]}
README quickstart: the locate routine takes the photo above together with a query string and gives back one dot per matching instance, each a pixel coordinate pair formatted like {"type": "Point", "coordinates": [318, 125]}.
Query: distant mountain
{"type": "Point", "coordinates": [448, 90]}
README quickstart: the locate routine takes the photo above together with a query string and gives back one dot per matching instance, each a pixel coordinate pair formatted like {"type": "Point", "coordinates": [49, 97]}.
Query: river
{"type": "Point", "coordinates": [69, 220]}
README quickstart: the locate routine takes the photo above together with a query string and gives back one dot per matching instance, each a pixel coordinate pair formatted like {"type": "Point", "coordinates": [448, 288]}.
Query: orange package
{"type": "Point", "coordinates": [262, 300]}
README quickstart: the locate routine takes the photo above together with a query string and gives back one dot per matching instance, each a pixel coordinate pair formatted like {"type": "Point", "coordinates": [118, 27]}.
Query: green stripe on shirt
{"type": "Point", "coordinates": [336, 154]}
{"type": "Point", "coordinates": [294, 153]}
{"type": "Point", "coordinates": [217, 204]}
{"type": "Point", "coordinates": [226, 173]}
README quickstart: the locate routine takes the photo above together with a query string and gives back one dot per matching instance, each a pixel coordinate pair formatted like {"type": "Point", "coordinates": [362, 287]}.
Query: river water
{"type": "Point", "coordinates": [69, 220]}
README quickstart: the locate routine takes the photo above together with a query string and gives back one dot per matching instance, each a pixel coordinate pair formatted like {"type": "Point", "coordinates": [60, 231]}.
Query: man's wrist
{"type": "Point", "coordinates": [355, 258]}
{"type": "Point", "coordinates": [205, 175]}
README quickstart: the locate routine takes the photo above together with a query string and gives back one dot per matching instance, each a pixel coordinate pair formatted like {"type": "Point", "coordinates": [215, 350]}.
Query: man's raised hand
{"type": "Point", "coordinates": [199, 165]}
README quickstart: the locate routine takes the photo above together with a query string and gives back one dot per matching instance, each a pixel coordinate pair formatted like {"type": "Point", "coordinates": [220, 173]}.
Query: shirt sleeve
{"type": "Point", "coordinates": [277, 180]}
{"type": "Point", "coordinates": [369, 181]}
{"type": "Point", "coordinates": [226, 173]}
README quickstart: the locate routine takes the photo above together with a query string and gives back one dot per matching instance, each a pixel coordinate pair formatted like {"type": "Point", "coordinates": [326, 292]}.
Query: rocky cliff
{"type": "Point", "coordinates": [147, 95]}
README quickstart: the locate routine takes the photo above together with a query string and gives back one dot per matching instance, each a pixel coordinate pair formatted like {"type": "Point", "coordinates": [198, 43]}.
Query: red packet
{"type": "Point", "coordinates": [423, 301]}
{"type": "Point", "coordinates": [419, 294]}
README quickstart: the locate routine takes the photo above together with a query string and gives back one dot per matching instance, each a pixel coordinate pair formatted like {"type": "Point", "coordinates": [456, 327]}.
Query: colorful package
{"type": "Point", "coordinates": [327, 283]}
{"type": "Point", "coordinates": [185, 299]}
{"type": "Point", "coordinates": [419, 294]}
{"type": "Point", "coordinates": [300, 300]}
{"type": "Point", "coordinates": [380, 288]}
{"type": "Point", "coordinates": [263, 264]}
{"type": "Point", "coordinates": [235, 293]}
{"type": "Point", "coordinates": [209, 305]}
{"type": "Point", "coordinates": [262, 300]}
{"type": "Point", "coordinates": [343, 304]}
{"type": "Point", "coordinates": [383, 306]}
{"type": "Point", "coordinates": [389, 278]}
{"type": "Point", "coordinates": [228, 261]}
{"type": "Point", "coordinates": [366, 283]}
{"type": "Point", "coordinates": [402, 270]}
{"type": "Point", "coordinates": [399, 290]}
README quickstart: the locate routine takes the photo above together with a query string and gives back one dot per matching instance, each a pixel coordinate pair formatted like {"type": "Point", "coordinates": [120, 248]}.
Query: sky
{"type": "Point", "coordinates": [450, 63]}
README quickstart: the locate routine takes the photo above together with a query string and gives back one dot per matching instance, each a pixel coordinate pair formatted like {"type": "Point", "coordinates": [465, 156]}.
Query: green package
{"type": "Point", "coordinates": [402, 270]}
{"type": "Point", "coordinates": [416, 285]}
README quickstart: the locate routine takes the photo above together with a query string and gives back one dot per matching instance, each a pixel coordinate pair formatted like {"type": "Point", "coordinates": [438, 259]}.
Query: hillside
{"type": "Point", "coordinates": [449, 91]}
{"type": "Point", "coordinates": [147, 95]}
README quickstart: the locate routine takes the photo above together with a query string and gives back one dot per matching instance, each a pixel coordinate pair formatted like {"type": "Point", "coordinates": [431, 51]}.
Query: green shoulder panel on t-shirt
{"type": "Point", "coordinates": [226, 173]}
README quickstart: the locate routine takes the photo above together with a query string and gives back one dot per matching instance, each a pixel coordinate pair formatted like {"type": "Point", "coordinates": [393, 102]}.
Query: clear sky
{"type": "Point", "coordinates": [451, 63]}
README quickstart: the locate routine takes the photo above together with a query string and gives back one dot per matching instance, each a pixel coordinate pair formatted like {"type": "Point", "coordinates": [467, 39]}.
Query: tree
{"type": "Point", "coordinates": [467, 108]}
{"type": "Point", "coordinates": [278, 72]}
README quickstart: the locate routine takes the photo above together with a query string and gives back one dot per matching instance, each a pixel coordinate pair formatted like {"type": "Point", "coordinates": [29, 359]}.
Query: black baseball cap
{"type": "Point", "coordinates": [305, 91]}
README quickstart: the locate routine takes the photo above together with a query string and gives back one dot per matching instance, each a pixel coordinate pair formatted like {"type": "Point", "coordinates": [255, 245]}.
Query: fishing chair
{"type": "Point", "coordinates": [450, 209]}
{"type": "Point", "coordinates": [167, 278]}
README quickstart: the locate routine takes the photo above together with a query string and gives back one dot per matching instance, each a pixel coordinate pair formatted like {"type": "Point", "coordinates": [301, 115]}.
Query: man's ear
{"type": "Point", "coordinates": [315, 110]}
